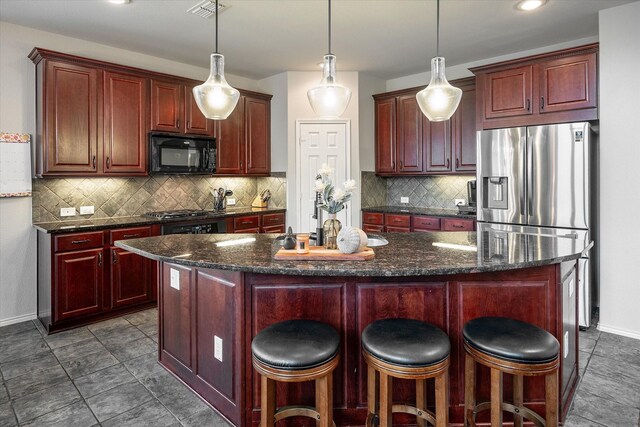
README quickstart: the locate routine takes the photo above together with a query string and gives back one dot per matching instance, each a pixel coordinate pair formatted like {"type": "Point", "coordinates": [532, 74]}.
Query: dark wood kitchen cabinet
{"type": "Point", "coordinates": [554, 87]}
{"type": "Point", "coordinates": [378, 222]}
{"type": "Point", "coordinates": [174, 109]}
{"type": "Point", "coordinates": [83, 278]}
{"type": "Point", "coordinates": [407, 143]}
{"type": "Point", "coordinates": [244, 138]}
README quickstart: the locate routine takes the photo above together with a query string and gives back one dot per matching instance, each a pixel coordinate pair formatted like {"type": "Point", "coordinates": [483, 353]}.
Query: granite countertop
{"type": "Point", "coordinates": [72, 226]}
{"type": "Point", "coordinates": [407, 254]}
{"type": "Point", "coordinates": [419, 211]}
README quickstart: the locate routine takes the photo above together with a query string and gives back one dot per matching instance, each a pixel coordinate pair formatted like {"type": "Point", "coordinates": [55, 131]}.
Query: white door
{"type": "Point", "coordinates": [320, 142]}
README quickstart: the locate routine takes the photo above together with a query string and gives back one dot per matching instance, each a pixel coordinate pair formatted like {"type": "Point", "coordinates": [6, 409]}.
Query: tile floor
{"type": "Point", "coordinates": [106, 374]}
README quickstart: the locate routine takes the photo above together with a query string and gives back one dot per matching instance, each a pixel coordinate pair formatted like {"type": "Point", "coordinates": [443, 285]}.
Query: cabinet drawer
{"type": "Point", "coordinates": [372, 218]}
{"type": "Point", "coordinates": [371, 228]}
{"type": "Point", "coordinates": [426, 223]}
{"type": "Point", "coordinates": [246, 222]}
{"type": "Point", "coordinates": [248, 230]}
{"type": "Point", "coordinates": [398, 220]}
{"type": "Point", "coordinates": [273, 229]}
{"type": "Point", "coordinates": [272, 219]}
{"type": "Point", "coordinates": [129, 233]}
{"type": "Point", "coordinates": [458, 224]}
{"type": "Point", "coordinates": [397, 229]}
{"type": "Point", "coordinates": [77, 241]}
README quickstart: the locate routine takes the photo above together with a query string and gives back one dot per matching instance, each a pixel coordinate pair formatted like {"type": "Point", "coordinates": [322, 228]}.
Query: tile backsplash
{"type": "Point", "coordinates": [113, 197]}
{"type": "Point", "coordinates": [422, 191]}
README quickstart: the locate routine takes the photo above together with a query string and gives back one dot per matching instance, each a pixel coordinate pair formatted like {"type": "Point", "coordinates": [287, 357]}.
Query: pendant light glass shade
{"type": "Point", "coordinates": [329, 99]}
{"type": "Point", "coordinates": [215, 98]}
{"type": "Point", "coordinates": [439, 100]}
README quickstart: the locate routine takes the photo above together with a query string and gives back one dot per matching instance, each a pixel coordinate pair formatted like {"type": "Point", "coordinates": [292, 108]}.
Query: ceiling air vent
{"type": "Point", "coordinates": [207, 8]}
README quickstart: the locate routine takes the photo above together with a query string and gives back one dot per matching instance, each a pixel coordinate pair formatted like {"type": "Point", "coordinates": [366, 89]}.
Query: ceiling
{"type": "Point", "coordinates": [260, 38]}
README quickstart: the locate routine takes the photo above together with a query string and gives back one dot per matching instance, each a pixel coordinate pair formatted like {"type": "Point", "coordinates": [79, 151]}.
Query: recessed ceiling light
{"type": "Point", "coordinates": [119, 1]}
{"type": "Point", "coordinates": [527, 5]}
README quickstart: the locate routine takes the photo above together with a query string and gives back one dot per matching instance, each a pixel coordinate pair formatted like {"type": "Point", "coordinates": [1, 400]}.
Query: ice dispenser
{"type": "Point", "coordinates": [495, 192]}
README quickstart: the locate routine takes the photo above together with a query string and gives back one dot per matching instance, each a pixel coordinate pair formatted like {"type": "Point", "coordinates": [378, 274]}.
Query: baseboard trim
{"type": "Point", "coordinates": [17, 319]}
{"type": "Point", "coordinates": [619, 331]}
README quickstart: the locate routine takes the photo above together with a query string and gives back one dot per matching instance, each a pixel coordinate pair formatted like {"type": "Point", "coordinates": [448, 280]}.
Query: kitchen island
{"type": "Point", "coordinates": [216, 292]}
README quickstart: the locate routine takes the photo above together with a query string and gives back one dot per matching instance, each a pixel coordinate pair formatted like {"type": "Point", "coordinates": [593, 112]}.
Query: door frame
{"type": "Point", "coordinates": [347, 149]}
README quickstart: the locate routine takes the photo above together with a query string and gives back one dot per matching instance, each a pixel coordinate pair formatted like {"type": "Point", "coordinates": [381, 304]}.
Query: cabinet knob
{"type": "Point", "coordinates": [448, 163]}
{"type": "Point", "coordinates": [93, 161]}
{"type": "Point", "coordinates": [188, 124]}
{"type": "Point", "coordinates": [178, 123]}
{"type": "Point", "coordinates": [457, 163]}
{"type": "Point", "coordinates": [528, 104]}
{"type": "Point", "coordinates": [401, 165]}
{"type": "Point", "coordinates": [542, 102]}
{"type": "Point", "coordinates": [99, 259]}
{"type": "Point", "coordinates": [108, 162]}
{"type": "Point", "coordinates": [115, 256]}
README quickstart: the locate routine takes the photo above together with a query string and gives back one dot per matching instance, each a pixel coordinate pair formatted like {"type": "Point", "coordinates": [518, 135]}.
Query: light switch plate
{"type": "Point", "coordinates": [67, 211]}
{"type": "Point", "coordinates": [217, 347]}
{"type": "Point", "coordinates": [175, 279]}
{"type": "Point", "coordinates": [404, 200]}
{"type": "Point", "coordinates": [230, 201]}
{"type": "Point", "coordinates": [86, 210]}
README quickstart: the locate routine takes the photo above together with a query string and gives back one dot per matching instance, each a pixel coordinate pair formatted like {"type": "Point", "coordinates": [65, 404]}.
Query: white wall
{"type": "Point", "coordinates": [367, 86]}
{"type": "Point", "coordinates": [17, 114]}
{"type": "Point", "coordinates": [277, 85]}
{"type": "Point", "coordinates": [619, 155]}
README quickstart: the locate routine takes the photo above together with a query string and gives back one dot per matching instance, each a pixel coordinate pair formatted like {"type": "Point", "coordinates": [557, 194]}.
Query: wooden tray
{"type": "Point", "coordinates": [319, 253]}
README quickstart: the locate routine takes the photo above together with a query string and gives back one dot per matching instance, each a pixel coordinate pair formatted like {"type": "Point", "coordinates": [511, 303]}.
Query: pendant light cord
{"type": "Point", "coordinates": [437, 27]}
{"type": "Point", "coordinates": [329, 27]}
{"type": "Point", "coordinates": [217, 11]}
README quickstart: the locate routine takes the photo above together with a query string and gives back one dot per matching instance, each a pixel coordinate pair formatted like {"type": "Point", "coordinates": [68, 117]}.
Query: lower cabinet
{"type": "Point", "coordinates": [377, 222]}
{"type": "Point", "coordinates": [257, 223]}
{"type": "Point", "coordinates": [83, 278]}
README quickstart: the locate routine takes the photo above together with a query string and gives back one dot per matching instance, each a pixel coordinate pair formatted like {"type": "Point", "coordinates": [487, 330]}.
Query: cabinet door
{"type": "Point", "coordinates": [230, 143]}
{"type": "Point", "coordinates": [409, 136]}
{"type": "Point", "coordinates": [508, 92]}
{"type": "Point", "coordinates": [386, 136]}
{"type": "Point", "coordinates": [258, 135]}
{"type": "Point", "coordinates": [78, 282]}
{"type": "Point", "coordinates": [71, 116]}
{"type": "Point", "coordinates": [175, 323]}
{"type": "Point", "coordinates": [131, 277]}
{"type": "Point", "coordinates": [125, 123]}
{"type": "Point", "coordinates": [166, 106]}
{"type": "Point", "coordinates": [463, 128]}
{"type": "Point", "coordinates": [196, 122]}
{"type": "Point", "coordinates": [437, 140]}
{"type": "Point", "coordinates": [568, 83]}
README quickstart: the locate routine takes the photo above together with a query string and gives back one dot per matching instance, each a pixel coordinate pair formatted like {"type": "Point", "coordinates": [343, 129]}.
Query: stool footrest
{"type": "Point", "coordinates": [523, 411]}
{"type": "Point", "coordinates": [408, 409]}
{"type": "Point", "coordinates": [297, 411]}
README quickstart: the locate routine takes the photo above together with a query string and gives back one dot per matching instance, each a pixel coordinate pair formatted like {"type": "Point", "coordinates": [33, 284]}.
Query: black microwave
{"type": "Point", "coordinates": [181, 154]}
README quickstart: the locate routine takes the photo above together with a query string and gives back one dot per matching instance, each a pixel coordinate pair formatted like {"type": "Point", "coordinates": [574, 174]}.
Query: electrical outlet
{"type": "Point", "coordinates": [566, 344]}
{"type": "Point", "coordinates": [404, 200]}
{"type": "Point", "coordinates": [67, 211]}
{"type": "Point", "coordinates": [217, 347]}
{"type": "Point", "coordinates": [231, 201]}
{"type": "Point", "coordinates": [459, 202]}
{"type": "Point", "coordinates": [86, 210]}
{"type": "Point", "coordinates": [175, 279]}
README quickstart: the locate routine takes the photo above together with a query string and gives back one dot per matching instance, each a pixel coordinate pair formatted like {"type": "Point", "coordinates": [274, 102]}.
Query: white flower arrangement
{"type": "Point", "coordinates": [333, 199]}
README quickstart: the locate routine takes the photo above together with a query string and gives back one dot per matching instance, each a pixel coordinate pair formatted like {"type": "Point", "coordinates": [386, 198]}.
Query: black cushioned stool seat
{"type": "Point", "coordinates": [296, 351]}
{"type": "Point", "coordinates": [409, 349]}
{"type": "Point", "coordinates": [512, 347]}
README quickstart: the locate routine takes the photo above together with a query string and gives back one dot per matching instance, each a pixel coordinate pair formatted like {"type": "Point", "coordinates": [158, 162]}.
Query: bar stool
{"type": "Point", "coordinates": [512, 347]}
{"type": "Point", "coordinates": [296, 351]}
{"type": "Point", "coordinates": [410, 349]}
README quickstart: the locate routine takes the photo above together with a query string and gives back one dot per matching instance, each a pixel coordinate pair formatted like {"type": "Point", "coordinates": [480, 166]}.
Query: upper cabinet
{"type": "Point", "coordinates": [174, 109]}
{"type": "Point", "coordinates": [93, 119]}
{"type": "Point", "coordinates": [554, 87]}
{"type": "Point", "coordinates": [243, 139]}
{"type": "Point", "coordinates": [407, 143]}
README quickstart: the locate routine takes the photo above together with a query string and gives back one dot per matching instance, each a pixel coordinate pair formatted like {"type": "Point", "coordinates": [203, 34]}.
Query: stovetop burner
{"type": "Point", "coordinates": [182, 213]}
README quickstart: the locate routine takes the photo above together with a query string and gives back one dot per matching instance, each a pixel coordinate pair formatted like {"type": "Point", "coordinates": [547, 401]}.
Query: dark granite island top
{"type": "Point", "coordinates": [407, 254]}
{"type": "Point", "coordinates": [214, 299]}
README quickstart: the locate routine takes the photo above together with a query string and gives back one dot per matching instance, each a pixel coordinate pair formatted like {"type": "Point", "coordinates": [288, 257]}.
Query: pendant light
{"type": "Point", "coordinates": [329, 99]}
{"type": "Point", "coordinates": [439, 100]}
{"type": "Point", "coordinates": [215, 98]}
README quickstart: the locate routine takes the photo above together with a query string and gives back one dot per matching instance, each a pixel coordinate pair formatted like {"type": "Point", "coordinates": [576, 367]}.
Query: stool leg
{"type": "Point", "coordinates": [267, 401]}
{"type": "Point", "coordinates": [421, 400]}
{"type": "Point", "coordinates": [386, 415]}
{"type": "Point", "coordinates": [442, 399]}
{"type": "Point", "coordinates": [518, 398]}
{"type": "Point", "coordinates": [469, 388]}
{"type": "Point", "coordinates": [372, 391]}
{"type": "Point", "coordinates": [496, 398]}
{"type": "Point", "coordinates": [551, 397]}
{"type": "Point", "coordinates": [324, 400]}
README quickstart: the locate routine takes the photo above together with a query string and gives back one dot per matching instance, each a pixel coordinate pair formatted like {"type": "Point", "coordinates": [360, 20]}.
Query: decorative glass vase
{"type": "Point", "coordinates": [331, 228]}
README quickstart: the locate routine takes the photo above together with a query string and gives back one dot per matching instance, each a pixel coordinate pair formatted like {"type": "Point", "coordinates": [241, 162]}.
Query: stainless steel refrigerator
{"type": "Point", "coordinates": [541, 180]}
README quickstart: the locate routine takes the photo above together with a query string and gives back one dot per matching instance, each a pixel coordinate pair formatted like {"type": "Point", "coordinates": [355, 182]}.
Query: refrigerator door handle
{"type": "Point", "coordinates": [523, 177]}
{"type": "Point", "coordinates": [529, 175]}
